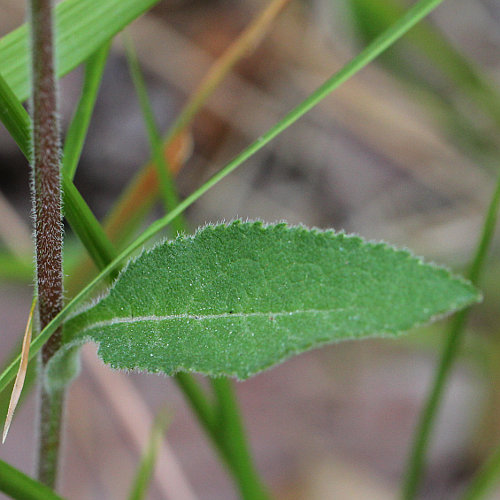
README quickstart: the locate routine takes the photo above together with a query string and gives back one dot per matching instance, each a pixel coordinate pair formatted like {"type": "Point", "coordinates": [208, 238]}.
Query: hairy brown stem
{"type": "Point", "coordinates": [48, 222]}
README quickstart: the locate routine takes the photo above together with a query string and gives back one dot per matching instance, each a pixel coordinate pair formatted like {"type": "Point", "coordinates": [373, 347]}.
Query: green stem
{"type": "Point", "coordinates": [427, 419]}
{"type": "Point", "coordinates": [51, 413]}
{"type": "Point", "coordinates": [230, 429]}
{"type": "Point", "coordinates": [48, 224]}
{"type": "Point", "coordinates": [487, 476]}
{"type": "Point", "coordinates": [203, 410]}
{"type": "Point", "coordinates": [224, 427]}
{"type": "Point", "coordinates": [198, 401]}
{"type": "Point", "coordinates": [212, 423]}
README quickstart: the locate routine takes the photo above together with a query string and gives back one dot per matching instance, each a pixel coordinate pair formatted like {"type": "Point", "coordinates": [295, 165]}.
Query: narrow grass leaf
{"type": "Point", "coordinates": [82, 26]}
{"type": "Point", "coordinates": [166, 184]}
{"type": "Point", "coordinates": [451, 348]}
{"type": "Point", "coordinates": [235, 300]}
{"type": "Point", "coordinates": [86, 226]}
{"type": "Point", "coordinates": [373, 18]}
{"type": "Point", "coordinates": [19, 486]}
{"type": "Point", "coordinates": [77, 130]}
{"type": "Point", "coordinates": [485, 479]}
{"type": "Point", "coordinates": [15, 117]}
{"type": "Point", "coordinates": [29, 382]}
{"type": "Point", "coordinates": [15, 268]}
{"type": "Point", "coordinates": [145, 470]}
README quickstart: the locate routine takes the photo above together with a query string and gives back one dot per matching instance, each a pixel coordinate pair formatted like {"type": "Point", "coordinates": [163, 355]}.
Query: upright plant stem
{"type": "Point", "coordinates": [451, 348]}
{"type": "Point", "coordinates": [232, 433]}
{"type": "Point", "coordinates": [48, 225]}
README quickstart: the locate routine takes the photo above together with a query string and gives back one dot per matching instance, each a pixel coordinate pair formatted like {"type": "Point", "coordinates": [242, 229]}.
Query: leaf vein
{"type": "Point", "coordinates": [204, 317]}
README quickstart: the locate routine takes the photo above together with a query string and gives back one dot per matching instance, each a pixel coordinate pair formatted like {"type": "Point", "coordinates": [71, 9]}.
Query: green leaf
{"type": "Point", "coordinates": [18, 485]}
{"type": "Point", "coordinates": [82, 26]}
{"type": "Point", "coordinates": [237, 299]}
{"type": "Point", "coordinates": [417, 12]}
{"type": "Point", "coordinates": [15, 117]}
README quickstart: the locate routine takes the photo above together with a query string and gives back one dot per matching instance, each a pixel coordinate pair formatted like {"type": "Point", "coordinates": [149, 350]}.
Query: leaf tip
{"type": "Point", "coordinates": [6, 430]}
{"type": "Point", "coordinates": [21, 373]}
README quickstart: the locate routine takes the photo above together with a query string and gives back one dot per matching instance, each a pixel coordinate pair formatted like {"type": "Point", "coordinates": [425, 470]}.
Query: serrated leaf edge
{"type": "Point", "coordinates": [278, 226]}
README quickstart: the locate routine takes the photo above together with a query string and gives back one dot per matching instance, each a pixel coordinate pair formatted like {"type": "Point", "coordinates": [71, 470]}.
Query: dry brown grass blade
{"type": "Point", "coordinates": [143, 189]}
{"type": "Point", "coordinates": [21, 372]}
{"type": "Point", "coordinates": [246, 43]}
{"type": "Point", "coordinates": [178, 141]}
{"type": "Point", "coordinates": [144, 186]}
{"type": "Point", "coordinates": [136, 199]}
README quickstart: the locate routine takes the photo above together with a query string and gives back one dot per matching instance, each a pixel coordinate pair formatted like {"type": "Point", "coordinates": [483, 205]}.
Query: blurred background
{"type": "Point", "coordinates": [406, 152]}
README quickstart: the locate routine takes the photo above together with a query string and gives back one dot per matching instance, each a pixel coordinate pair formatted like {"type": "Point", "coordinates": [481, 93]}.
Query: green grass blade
{"type": "Point", "coordinates": [413, 16]}
{"type": "Point", "coordinates": [82, 26]}
{"type": "Point", "coordinates": [15, 118]}
{"type": "Point", "coordinates": [16, 268]}
{"type": "Point", "coordinates": [167, 186]}
{"type": "Point", "coordinates": [485, 479]}
{"type": "Point", "coordinates": [373, 17]}
{"type": "Point", "coordinates": [77, 130]}
{"type": "Point", "coordinates": [145, 470]}
{"type": "Point", "coordinates": [86, 226]}
{"type": "Point", "coordinates": [18, 485]}
{"type": "Point", "coordinates": [450, 351]}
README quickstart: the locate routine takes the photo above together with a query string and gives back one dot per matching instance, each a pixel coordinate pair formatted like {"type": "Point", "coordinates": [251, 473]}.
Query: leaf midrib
{"type": "Point", "coordinates": [205, 317]}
